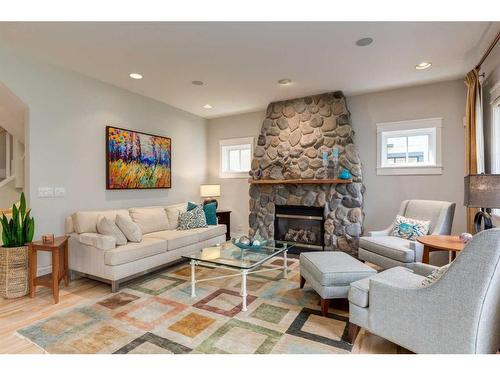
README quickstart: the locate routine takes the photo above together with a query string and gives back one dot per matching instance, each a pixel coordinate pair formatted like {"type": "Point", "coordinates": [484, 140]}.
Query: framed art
{"type": "Point", "coordinates": [136, 160]}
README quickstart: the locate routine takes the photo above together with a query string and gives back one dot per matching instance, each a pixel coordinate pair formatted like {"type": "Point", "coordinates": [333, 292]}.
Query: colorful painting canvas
{"type": "Point", "coordinates": [137, 160]}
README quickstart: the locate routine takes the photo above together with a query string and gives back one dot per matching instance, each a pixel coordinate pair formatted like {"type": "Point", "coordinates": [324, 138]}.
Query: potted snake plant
{"type": "Point", "coordinates": [17, 232]}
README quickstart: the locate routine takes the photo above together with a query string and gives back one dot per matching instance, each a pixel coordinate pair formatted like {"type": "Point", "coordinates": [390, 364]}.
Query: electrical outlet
{"type": "Point", "coordinates": [45, 192]}
{"type": "Point", "coordinates": [59, 192]}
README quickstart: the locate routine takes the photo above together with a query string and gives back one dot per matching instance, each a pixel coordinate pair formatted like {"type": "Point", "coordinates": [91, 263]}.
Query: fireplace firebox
{"type": "Point", "coordinates": [301, 225]}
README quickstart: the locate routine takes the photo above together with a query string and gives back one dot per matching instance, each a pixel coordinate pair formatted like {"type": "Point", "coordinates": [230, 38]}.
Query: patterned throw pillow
{"type": "Point", "coordinates": [192, 219]}
{"type": "Point", "coordinates": [410, 229]}
{"type": "Point", "coordinates": [435, 275]}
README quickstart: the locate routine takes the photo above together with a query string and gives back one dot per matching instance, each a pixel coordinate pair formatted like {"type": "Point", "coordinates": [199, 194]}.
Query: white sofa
{"type": "Point", "coordinates": [96, 256]}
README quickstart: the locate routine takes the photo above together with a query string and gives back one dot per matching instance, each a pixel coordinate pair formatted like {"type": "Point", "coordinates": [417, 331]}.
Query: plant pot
{"type": "Point", "coordinates": [13, 271]}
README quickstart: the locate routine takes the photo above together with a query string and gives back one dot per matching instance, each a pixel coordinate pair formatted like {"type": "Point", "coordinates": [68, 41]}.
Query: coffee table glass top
{"type": "Point", "coordinates": [230, 255]}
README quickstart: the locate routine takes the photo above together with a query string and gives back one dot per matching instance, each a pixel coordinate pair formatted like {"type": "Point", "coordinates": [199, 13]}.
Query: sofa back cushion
{"type": "Point", "coordinates": [150, 219]}
{"type": "Point", "coordinates": [173, 214]}
{"type": "Point", "coordinates": [86, 221]}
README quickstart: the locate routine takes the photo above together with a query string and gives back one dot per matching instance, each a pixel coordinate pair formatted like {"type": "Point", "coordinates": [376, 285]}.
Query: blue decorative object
{"type": "Point", "coordinates": [345, 175]}
{"type": "Point", "coordinates": [191, 206]}
{"type": "Point", "coordinates": [248, 247]}
{"type": "Point", "coordinates": [335, 153]}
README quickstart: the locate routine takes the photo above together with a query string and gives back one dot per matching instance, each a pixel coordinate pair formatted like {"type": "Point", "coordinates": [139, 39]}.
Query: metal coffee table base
{"type": "Point", "coordinates": [243, 273]}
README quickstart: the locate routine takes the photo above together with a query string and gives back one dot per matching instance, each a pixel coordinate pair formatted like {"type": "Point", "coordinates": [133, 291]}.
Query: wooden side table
{"type": "Point", "coordinates": [59, 250]}
{"type": "Point", "coordinates": [224, 217]}
{"type": "Point", "coordinates": [452, 244]}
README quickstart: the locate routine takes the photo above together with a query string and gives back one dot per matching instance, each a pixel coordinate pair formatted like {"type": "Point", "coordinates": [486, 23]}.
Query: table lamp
{"type": "Point", "coordinates": [482, 191]}
{"type": "Point", "coordinates": [209, 192]}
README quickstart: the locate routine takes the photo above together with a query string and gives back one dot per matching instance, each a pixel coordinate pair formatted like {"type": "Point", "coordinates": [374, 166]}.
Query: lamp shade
{"type": "Point", "coordinates": [482, 190]}
{"type": "Point", "coordinates": [208, 191]}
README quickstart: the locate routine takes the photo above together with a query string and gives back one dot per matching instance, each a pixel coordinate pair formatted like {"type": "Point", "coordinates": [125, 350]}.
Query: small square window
{"type": "Point", "coordinates": [235, 157]}
{"type": "Point", "coordinates": [409, 147]}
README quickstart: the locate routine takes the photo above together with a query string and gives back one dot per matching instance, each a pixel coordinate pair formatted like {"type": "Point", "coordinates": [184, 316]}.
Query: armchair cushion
{"type": "Point", "coordinates": [402, 276]}
{"type": "Point", "coordinates": [389, 246]}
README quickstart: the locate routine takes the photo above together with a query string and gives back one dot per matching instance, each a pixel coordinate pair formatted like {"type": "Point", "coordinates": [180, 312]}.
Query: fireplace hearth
{"type": "Point", "coordinates": [300, 225]}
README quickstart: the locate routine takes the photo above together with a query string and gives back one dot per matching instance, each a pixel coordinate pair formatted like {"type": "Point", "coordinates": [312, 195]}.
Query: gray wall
{"type": "Point", "coordinates": [234, 192]}
{"type": "Point", "coordinates": [383, 193]}
{"type": "Point", "coordinates": [66, 136]}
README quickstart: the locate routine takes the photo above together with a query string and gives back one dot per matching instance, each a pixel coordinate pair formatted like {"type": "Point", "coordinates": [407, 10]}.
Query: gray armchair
{"type": "Point", "coordinates": [459, 313]}
{"type": "Point", "coordinates": [387, 251]}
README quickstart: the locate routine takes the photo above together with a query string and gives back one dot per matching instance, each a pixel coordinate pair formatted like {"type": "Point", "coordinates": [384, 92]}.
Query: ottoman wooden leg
{"type": "Point", "coordinates": [352, 332]}
{"type": "Point", "coordinates": [325, 304]}
{"type": "Point", "coordinates": [302, 281]}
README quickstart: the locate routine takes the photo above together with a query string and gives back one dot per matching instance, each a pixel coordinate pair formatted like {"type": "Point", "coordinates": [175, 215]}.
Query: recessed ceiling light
{"type": "Point", "coordinates": [363, 42]}
{"type": "Point", "coordinates": [197, 83]}
{"type": "Point", "coordinates": [285, 81]}
{"type": "Point", "coordinates": [207, 106]}
{"type": "Point", "coordinates": [423, 65]}
{"type": "Point", "coordinates": [135, 76]}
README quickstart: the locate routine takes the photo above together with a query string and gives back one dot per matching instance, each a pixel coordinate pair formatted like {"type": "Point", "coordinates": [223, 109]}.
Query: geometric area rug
{"type": "Point", "coordinates": [156, 314]}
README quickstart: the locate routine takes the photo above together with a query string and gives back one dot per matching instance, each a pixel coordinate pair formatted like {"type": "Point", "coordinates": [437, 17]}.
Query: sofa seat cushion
{"type": "Point", "coordinates": [210, 232]}
{"type": "Point", "coordinates": [389, 246]}
{"type": "Point", "coordinates": [334, 268]}
{"type": "Point", "coordinates": [175, 238]}
{"type": "Point", "coordinates": [360, 290]}
{"type": "Point", "coordinates": [180, 238]}
{"type": "Point", "coordinates": [133, 251]}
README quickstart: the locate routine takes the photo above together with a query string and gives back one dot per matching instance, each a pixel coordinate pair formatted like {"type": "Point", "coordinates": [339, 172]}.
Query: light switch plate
{"type": "Point", "coordinates": [59, 192]}
{"type": "Point", "coordinates": [45, 192]}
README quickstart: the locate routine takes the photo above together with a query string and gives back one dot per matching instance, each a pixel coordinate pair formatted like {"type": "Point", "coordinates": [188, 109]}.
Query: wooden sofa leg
{"type": "Point", "coordinates": [325, 304]}
{"type": "Point", "coordinates": [302, 281]}
{"type": "Point", "coordinates": [115, 286]}
{"type": "Point", "coordinates": [352, 332]}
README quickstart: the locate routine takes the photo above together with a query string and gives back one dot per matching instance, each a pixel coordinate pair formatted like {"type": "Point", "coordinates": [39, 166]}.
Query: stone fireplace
{"type": "Point", "coordinates": [287, 171]}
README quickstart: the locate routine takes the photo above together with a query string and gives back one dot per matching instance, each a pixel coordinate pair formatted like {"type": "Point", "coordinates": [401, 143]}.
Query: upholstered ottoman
{"type": "Point", "coordinates": [330, 273]}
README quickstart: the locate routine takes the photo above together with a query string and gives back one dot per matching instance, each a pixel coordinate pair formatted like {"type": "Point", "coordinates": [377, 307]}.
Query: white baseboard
{"type": "Point", "coordinates": [43, 270]}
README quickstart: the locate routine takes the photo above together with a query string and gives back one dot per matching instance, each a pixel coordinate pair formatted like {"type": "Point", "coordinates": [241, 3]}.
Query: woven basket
{"type": "Point", "coordinates": [13, 272]}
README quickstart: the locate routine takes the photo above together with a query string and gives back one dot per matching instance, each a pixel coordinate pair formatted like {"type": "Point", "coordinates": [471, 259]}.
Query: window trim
{"type": "Point", "coordinates": [407, 126]}
{"type": "Point", "coordinates": [234, 142]}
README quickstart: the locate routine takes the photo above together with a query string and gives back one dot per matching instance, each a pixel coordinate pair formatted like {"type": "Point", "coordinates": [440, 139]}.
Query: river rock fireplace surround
{"type": "Point", "coordinates": [287, 171]}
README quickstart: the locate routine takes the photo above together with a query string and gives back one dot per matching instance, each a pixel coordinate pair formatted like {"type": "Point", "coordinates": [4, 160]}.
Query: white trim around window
{"type": "Point", "coordinates": [240, 146]}
{"type": "Point", "coordinates": [431, 127]}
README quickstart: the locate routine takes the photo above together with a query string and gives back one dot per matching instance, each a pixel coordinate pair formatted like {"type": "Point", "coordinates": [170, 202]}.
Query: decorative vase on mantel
{"type": "Point", "coordinates": [16, 233]}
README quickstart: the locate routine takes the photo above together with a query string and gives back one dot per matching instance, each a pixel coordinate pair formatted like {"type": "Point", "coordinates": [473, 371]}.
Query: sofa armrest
{"type": "Point", "coordinates": [97, 240]}
{"type": "Point", "coordinates": [423, 269]}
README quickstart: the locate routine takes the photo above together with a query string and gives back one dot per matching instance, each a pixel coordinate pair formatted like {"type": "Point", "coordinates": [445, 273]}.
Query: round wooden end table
{"type": "Point", "coordinates": [453, 244]}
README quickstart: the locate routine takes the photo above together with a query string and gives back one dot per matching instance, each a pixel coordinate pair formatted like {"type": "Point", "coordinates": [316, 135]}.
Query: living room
{"type": "Point", "coordinates": [250, 187]}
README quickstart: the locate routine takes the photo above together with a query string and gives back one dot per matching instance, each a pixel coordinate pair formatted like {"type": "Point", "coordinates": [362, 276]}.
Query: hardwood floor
{"type": "Point", "coordinates": [18, 313]}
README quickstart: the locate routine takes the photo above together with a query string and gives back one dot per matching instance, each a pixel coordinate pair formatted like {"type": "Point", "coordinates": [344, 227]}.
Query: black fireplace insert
{"type": "Point", "coordinates": [301, 225]}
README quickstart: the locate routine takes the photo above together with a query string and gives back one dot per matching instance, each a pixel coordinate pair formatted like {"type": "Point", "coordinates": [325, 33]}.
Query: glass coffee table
{"type": "Point", "coordinates": [244, 262]}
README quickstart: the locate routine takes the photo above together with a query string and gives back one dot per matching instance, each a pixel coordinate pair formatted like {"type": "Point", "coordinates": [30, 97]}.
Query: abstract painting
{"type": "Point", "coordinates": [136, 160]}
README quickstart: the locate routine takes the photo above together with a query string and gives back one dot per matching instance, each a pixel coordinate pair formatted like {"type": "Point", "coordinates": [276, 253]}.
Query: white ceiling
{"type": "Point", "coordinates": [241, 62]}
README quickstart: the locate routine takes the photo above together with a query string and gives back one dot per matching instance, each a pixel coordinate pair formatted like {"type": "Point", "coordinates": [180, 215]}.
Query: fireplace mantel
{"type": "Point", "coordinates": [310, 181]}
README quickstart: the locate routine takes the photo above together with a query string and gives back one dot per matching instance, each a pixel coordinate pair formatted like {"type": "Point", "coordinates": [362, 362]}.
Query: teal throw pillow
{"type": "Point", "coordinates": [191, 206]}
{"type": "Point", "coordinates": [210, 213]}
